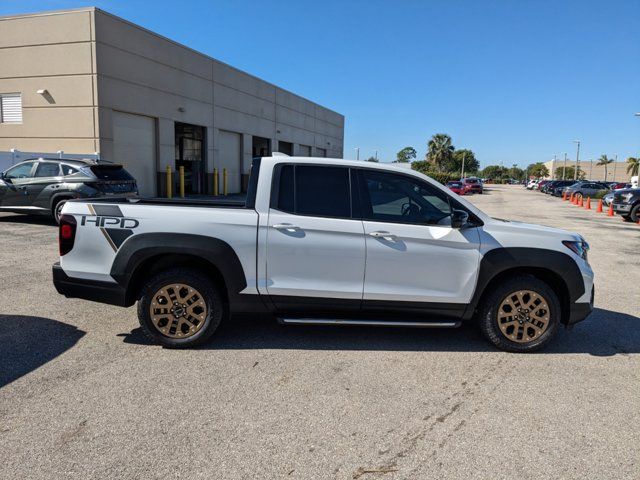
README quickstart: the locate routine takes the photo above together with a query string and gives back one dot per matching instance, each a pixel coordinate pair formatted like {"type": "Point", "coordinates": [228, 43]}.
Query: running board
{"type": "Point", "coordinates": [370, 323]}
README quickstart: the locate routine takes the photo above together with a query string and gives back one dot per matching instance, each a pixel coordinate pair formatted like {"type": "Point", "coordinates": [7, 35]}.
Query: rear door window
{"type": "Point", "coordinates": [313, 191]}
{"type": "Point", "coordinates": [47, 169]}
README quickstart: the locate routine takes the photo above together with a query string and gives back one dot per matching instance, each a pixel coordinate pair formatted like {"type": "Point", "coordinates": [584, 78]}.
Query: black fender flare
{"type": "Point", "coordinates": [139, 248]}
{"type": "Point", "coordinates": [498, 261]}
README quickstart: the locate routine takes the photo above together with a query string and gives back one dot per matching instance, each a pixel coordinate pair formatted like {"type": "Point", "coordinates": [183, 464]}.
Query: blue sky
{"type": "Point", "coordinates": [515, 81]}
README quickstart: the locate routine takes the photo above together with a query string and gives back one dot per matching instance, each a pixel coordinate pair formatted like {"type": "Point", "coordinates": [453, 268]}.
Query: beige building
{"type": "Point", "coordinates": [85, 81]}
{"type": "Point", "coordinates": [615, 172]}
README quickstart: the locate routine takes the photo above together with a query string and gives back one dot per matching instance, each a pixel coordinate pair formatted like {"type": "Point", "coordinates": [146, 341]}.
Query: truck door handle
{"type": "Point", "coordinates": [286, 226]}
{"type": "Point", "coordinates": [385, 235]}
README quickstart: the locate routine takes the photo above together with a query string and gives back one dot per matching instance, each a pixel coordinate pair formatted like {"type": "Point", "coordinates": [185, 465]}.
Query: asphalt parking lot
{"type": "Point", "coordinates": [82, 394]}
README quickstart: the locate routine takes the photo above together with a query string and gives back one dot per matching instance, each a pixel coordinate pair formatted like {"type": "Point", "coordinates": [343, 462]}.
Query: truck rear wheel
{"type": "Point", "coordinates": [521, 315]}
{"type": "Point", "coordinates": [180, 308]}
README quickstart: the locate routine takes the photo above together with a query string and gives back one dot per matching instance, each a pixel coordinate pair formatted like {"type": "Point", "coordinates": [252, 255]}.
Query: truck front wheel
{"type": "Point", "coordinates": [520, 315]}
{"type": "Point", "coordinates": [180, 308]}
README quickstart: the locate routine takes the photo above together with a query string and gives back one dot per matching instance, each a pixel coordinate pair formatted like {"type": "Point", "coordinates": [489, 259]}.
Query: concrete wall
{"type": "Point", "coordinates": [141, 72]}
{"type": "Point", "coordinates": [53, 52]}
{"type": "Point", "coordinates": [616, 172]}
{"type": "Point", "coordinates": [94, 64]}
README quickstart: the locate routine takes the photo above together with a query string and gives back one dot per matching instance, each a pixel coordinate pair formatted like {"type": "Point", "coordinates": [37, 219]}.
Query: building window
{"type": "Point", "coordinates": [10, 108]}
{"type": "Point", "coordinates": [321, 152]}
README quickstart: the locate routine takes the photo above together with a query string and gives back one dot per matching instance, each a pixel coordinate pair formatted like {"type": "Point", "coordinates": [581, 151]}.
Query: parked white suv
{"type": "Point", "coordinates": [325, 241]}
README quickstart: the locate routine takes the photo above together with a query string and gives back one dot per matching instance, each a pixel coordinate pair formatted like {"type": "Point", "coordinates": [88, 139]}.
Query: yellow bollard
{"type": "Point", "coordinates": [182, 182]}
{"type": "Point", "coordinates": [169, 183]}
{"type": "Point", "coordinates": [215, 182]}
{"type": "Point", "coordinates": [224, 181]}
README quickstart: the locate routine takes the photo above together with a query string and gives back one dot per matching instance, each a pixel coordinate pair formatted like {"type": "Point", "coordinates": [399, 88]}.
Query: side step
{"type": "Point", "coordinates": [371, 323]}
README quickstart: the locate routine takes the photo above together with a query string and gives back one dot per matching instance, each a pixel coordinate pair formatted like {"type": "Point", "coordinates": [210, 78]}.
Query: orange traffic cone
{"type": "Point", "coordinates": [588, 205]}
{"type": "Point", "coordinates": [599, 209]}
{"type": "Point", "coordinates": [571, 197]}
{"type": "Point", "coordinates": [581, 204]}
{"type": "Point", "coordinates": [610, 212]}
{"type": "Point", "coordinates": [564, 196]}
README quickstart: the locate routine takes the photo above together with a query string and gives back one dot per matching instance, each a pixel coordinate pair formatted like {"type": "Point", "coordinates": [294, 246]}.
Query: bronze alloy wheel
{"type": "Point", "coordinates": [178, 310]}
{"type": "Point", "coordinates": [523, 316]}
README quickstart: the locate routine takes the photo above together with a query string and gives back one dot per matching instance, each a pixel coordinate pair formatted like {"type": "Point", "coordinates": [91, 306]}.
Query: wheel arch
{"type": "Point", "coordinates": [146, 254]}
{"type": "Point", "coordinates": [556, 269]}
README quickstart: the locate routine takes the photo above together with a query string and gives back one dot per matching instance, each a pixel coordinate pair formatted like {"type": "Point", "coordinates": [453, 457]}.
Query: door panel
{"type": "Point", "coordinates": [15, 193]}
{"type": "Point", "coordinates": [230, 157]}
{"type": "Point", "coordinates": [413, 253]}
{"type": "Point", "coordinates": [134, 146]}
{"type": "Point", "coordinates": [314, 257]}
{"type": "Point", "coordinates": [420, 263]}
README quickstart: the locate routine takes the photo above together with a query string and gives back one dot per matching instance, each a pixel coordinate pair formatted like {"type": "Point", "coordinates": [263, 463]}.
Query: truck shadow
{"type": "Point", "coordinates": [27, 343]}
{"type": "Point", "coordinates": [604, 333]}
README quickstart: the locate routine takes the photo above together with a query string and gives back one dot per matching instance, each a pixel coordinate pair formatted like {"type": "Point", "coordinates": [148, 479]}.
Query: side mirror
{"type": "Point", "coordinates": [459, 218]}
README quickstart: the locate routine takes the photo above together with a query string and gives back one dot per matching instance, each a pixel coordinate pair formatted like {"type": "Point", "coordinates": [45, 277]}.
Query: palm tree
{"type": "Point", "coordinates": [604, 160]}
{"type": "Point", "coordinates": [634, 166]}
{"type": "Point", "coordinates": [440, 149]}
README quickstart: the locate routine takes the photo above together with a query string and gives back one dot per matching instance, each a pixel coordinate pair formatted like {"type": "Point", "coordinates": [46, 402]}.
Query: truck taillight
{"type": "Point", "coordinates": [66, 233]}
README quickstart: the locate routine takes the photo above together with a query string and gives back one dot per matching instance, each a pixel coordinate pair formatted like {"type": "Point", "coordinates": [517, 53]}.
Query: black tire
{"type": "Point", "coordinates": [626, 218]}
{"type": "Point", "coordinates": [57, 208]}
{"type": "Point", "coordinates": [489, 323]}
{"type": "Point", "coordinates": [210, 294]}
{"type": "Point", "coordinates": [635, 213]}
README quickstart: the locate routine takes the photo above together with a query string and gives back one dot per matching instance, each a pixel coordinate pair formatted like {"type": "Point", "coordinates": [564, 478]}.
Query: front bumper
{"type": "Point", "coordinates": [580, 311]}
{"type": "Point", "coordinates": [622, 208]}
{"type": "Point", "coordinates": [96, 291]}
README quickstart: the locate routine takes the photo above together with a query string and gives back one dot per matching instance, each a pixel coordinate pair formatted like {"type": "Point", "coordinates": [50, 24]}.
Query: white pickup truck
{"type": "Point", "coordinates": [325, 241]}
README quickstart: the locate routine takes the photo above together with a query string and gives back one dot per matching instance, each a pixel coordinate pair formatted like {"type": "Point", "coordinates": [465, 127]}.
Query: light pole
{"type": "Point", "coordinates": [575, 173]}
{"type": "Point", "coordinates": [591, 169]}
{"type": "Point", "coordinates": [464, 154]}
{"type": "Point", "coordinates": [357, 149]}
{"type": "Point", "coordinates": [564, 167]}
{"type": "Point", "coordinates": [614, 167]}
{"type": "Point", "coordinates": [376, 155]}
{"type": "Point", "coordinates": [553, 168]}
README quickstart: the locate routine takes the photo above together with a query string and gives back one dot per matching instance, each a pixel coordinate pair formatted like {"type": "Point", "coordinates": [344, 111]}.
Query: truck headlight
{"type": "Point", "coordinates": [579, 247]}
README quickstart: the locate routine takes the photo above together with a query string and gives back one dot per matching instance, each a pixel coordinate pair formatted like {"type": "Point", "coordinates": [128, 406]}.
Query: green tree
{"type": "Point", "coordinates": [569, 173]}
{"type": "Point", "coordinates": [440, 150]}
{"type": "Point", "coordinates": [495, 172]}
{"type": "Point", "coordinates": [516, 173]}
{"type": "Point", "coordinates": [538, 170]}
{"type": "Point", "coordinates": [633, 166]}
{"type": "Point", "coordinates": [372, 159]}
{"type": "Point", "coordinates": [454, 164]}
{"type": "Point", "coordinates": [406, 155]}
{"type": "Point", "coordinates": [604, 160]}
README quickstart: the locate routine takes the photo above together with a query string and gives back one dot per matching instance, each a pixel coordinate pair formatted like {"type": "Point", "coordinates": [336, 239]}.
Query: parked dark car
{"type": "Point", "coordinates": [42, 185]}
{"type": "Point", "coordinates": [456, 187]}
{"type": "Point", "coordinates": [559, 186]}
{"type": "Point", "coordinates": [626, 202]}
{"type": "Point", "coordinates": [585, 188]}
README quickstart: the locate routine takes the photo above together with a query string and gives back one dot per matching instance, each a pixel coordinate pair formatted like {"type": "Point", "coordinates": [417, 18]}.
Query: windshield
{"type": "Point", "coordinates": [454, 184]}
{"type": "Point", "coordinates": [109, 172]}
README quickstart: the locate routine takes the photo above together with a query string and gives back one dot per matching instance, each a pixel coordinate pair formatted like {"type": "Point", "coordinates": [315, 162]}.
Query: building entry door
{"type": "Point", "coordinates": [190, 154]}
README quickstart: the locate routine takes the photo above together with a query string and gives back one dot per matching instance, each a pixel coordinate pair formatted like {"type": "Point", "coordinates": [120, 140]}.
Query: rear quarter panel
{"type": "Point", "coordinates": [96, 245]}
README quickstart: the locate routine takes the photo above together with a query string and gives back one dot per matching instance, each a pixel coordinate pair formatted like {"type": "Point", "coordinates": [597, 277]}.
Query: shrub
{"type": "Point", "coordinates": [425, 167]}
{"type": "Point", "coordinates": [599, 194]}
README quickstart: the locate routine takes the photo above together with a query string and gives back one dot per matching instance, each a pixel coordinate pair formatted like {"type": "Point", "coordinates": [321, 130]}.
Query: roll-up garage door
{"type": "Point", "coordinates": [134, 145]}
{"type": "Point", "coordinates": [230, 157]}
